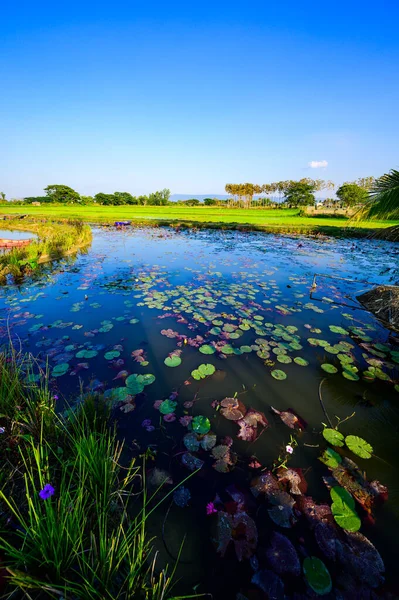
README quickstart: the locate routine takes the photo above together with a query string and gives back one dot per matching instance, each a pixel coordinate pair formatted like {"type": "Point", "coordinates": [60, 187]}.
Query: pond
{"type": "Point", "coordinates": [13, 234]}
{"type": "Point", "coordinates": [192, 318]}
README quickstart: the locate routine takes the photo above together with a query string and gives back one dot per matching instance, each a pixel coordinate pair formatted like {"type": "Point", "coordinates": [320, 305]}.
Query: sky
{"type": "Point", "coordinates": [139, 96]}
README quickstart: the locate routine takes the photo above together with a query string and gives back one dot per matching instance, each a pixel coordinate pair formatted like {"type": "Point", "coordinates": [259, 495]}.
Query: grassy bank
{"type": "Point", "coordinates": [263, 218]}
{"type": "Point", "coordinates": [54, 240]}
{"type": "Point", "coordinates": [73, 509]}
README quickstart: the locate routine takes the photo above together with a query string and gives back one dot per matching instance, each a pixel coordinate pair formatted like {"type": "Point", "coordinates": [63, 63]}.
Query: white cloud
{"type": "Point", "coordinates": [317, 164]}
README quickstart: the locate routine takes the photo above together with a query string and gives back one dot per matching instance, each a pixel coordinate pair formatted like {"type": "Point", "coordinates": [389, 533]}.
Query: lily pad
{"type": "Point", "coordinates": [167, 407]}
{"type": "Point", "coordinates": [331, 458]}
{"type": "Point", "coordinates": [278, 374]}
{"type": "Point", "coordinates": [333, 436]}
{"type": "Point", "coordinates": [201, 424]}
{"type": "Point", "coordinates": [343, 509]}
{"type": "Point", "coordinates": [207, 349]}
{"type": "Point", "coordinates": [301, 361]}
{"type": "Point", "coordinates": [112, 354]}
{"type": "Point", "coordinates": [359, 446]}
{"type": "Point", "coordinates": [172, 361]}
{"type": "Point", "coordinates": [317, 575]}
{"type": "Point", "coordinates": [203, 371]}
{"type": "Point", "coordinates": [329, 368]}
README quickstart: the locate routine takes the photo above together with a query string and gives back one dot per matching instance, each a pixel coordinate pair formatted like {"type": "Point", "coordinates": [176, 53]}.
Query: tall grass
{"type": "Point", "coordinates": [87, 540]}
{"type": "Point", "coordinates": [54, 241]}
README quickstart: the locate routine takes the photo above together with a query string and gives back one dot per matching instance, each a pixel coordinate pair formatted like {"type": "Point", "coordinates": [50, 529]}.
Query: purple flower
{"type": "Point", "coordinates": [147, 425]}
{"type": "Point", "coordinates": [55, 397]}
{"type": "Point", "coordinates": [210, 508]}
{"type": "Point", "coordinates": [2, 430]}
{"type": "Point", "coordinates": [46, 492]}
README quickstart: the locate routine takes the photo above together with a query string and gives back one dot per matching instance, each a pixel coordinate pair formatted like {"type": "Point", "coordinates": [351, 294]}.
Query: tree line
{"type": "Point", "coordinates": [63, 194]}
{"type": "Point", "coordinates": [301, 193]}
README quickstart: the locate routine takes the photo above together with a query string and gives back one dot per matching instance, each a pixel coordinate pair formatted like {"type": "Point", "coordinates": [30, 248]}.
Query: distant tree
{"type": "Point", "coordinates": [142, 200]}
{"type": "Point", "coordinates": [366, 182]}
{"type": "Point", "coordinates": [160, 198]}
{"type": "Point", "coordinates": [61, 193]}
{"type": "Point", "coordinates": [125, 198]}
{"type": "Point", "coordinates": [2, 195]}
{"type": "Point", "coordinates": [210, 201]}
{"type": "Point", "coordinates": [299, 193]}
{"type": "Point", "coordinates": [104, 199]}
{"type": "Point", "coordinates": [86, 200]}
{"type": "Point", "coordinates": [351, 194]}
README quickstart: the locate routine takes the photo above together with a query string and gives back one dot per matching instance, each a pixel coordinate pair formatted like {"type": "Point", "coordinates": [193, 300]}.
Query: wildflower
{"type": "Point", "coordinates": [2, 430]}
{"type": "Point", "coordinates": [210, 508]}
{"type": "Point", "coordinates": [289, 449]}
{"type": "Point", "coordinates": [46, 492]}
{"type": "Point", "coordinates": [55, 397]}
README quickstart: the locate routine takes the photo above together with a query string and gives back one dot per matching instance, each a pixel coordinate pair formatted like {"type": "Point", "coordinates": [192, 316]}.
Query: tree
{"type": "Point", "coordinates": [61, 193]}
{"type": "Point", "coordinates": [365, 182]}
{"type": "Point", "coordinates": [105, 199]}
{"type": "Point", "coordinates": [299, 193]}
{"type": "Point", "coordinates": [351, 194]}
{"type": "Point", "coordinates": [210, 201]}
{"type": "Point", "coordinates": [383, 198]}
{"type": "Point", "coordinates": [160, 198]}
{"type": "Point", "coordinates": [3, 196]}
{"type": "Point", "coordinates": [125, 198]}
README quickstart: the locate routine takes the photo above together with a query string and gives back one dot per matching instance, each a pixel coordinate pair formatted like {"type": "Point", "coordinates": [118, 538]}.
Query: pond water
{"type": "Point", "coordinates": [16, 235]}
{"type": "Point", "coordinates": [244, 304]}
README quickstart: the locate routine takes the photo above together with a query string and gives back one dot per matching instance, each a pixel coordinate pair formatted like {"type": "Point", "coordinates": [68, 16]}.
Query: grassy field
{"type": "Point", "coordinates": [284, 220]}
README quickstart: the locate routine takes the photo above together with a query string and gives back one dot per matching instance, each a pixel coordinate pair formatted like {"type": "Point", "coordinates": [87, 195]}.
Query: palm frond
{"type": "Point", "coordinates": [383, 202]}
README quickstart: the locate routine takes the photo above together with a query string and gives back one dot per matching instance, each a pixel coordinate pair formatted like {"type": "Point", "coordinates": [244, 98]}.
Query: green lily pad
{"type": "Point", "coordinates": [201, 424]}
{"type": "Point", "coordinates": [317, 575]}
{"type": "Point", "coordinates": [60, 370]}
{"type": "Point", "coordinates": [278, 374]}
{"type": "Point", "coordinates": [167, 407]}
{"type": "Point", "coordinates": [301, 361]}
{"type": "Point", "coordinates": [117, 394]}
{"type": "Point", "coordinates": [86, 354]}
{"type": "Point", "coordinates": [203, 371]}
{"type": "Point", "coordinates": [172, 361]}
{"type": "Point", "coordinates": [359, 446]}
{"type": "Point", "coordinates": [349, 374]}
{"type": "Point", "coordinates": [343, 509]}
{"type": "Point", "coordinates": [329, 368]}
{"type": "Point", "coordinates": [207, 349]}
{"type": "Point", "coordinates": [330, 458]}
{"type": "Point", "coordinates": [228, 349]}
{"type": "Point", "coordinates": [112, 354]}
{"type": "Point", "coordinates": [333, 437]}
{"type": "Point", "coordinates": [284, 359]}
{"type": "Point", "coordinates": [340, 330]}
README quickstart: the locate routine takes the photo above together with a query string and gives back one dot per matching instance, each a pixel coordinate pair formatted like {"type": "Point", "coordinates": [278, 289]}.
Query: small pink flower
{"type": "Point", "coordinates": [210, 508]}
{"type": "Point", "coordinates": [289, 449]}
{"type": "Point", "coordinates": [157, 404]}
{"type": "Point", "coordinates": [186, 420]}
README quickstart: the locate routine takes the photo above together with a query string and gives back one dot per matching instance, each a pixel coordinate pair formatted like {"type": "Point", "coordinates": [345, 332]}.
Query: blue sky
{"type": "Point", "coordinates": [136, 96]}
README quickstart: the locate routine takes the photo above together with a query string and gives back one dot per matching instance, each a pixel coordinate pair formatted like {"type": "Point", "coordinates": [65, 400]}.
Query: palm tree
{"type": "Point", "coordinates": [383, 201]}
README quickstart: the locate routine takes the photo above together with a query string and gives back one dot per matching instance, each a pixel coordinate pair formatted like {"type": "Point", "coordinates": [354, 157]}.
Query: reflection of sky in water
{"type": "Point", "coordinates": [108, 274]}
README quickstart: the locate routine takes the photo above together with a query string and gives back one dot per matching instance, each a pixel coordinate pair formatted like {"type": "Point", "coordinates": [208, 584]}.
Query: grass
{"type": "Point", "coordinates": [88, 540]}
{"type": "Point", "coordinates": [54, 240]}
{"type": "Point", "coordinates": [281, 220]}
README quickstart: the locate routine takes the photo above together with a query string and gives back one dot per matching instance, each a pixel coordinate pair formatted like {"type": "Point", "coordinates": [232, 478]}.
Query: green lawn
{"type": "Point", "coordinates": [283, 219]}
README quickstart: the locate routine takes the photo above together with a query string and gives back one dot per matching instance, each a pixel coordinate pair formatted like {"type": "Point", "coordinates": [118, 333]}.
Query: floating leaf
{"type": "Point", "coordinates": [278, 374]}
{"type": "Point", "coordinates": [301, 361]}
{"type": "Point", "coordinates": [343, 509]}
{"type": "Point", "coordinates": [329, 368]}
{"type": "Point", "coordinates": [232, 409]}
{"type": "Point", "coordinates": [208, 441]}
{"type": "Point", "coordinates": [245, 543]}
{"type": "Point", "coordinates": [359, 446]}
{"type": "Point", "coordinates": [167, 407]}
{"type": "Point", "coordinates": [181, 496]}
{"type": "Point", "coordinates": [201, 424]}
{"type": "Point", "coordinates": [207, 349]}
{"type": "Point", "coordinates": [203, 371]}
{"type": "Point", "coordinates": [172, 361]}
{"type": "Point", "coordinates": [340, 330]}
{"type": "Point", "coordinates": [333, 437]}
{"type": "Point", "coordinates": [111, 354]}
{"type": "Point", "coordinates": [191, 442]}
{"type": "Point", "coordinates": [282, 556]}
{"type": "Point", "coordinates": [317, 575]}
{"type": "Point", "coordinates": [191, 462]}
{"type": "Point", "coordinates": [330, 458]}
{"type": "Point", "coordinates": [290, 418]}
{"type": "Point", "coordinates": [269, 583]}
{"type": "Point", "coordinates": [249, 425]}
{"type": "Point", "coordinates": [281, 512]}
